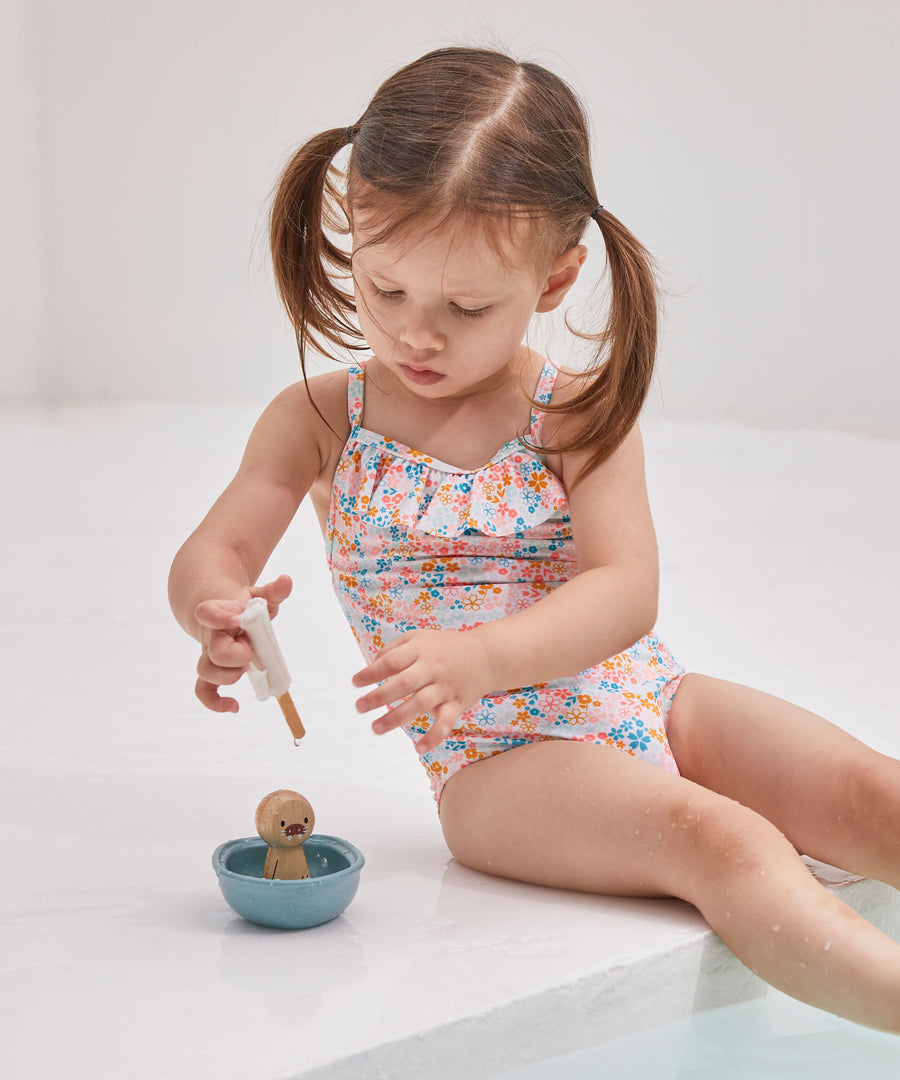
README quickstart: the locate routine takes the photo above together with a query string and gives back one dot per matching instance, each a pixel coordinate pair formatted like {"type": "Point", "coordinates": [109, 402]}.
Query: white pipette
{"type": "Point", "coordinates": [268, 671]}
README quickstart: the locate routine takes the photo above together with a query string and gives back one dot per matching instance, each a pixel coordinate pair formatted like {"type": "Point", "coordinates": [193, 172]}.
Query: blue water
{"type": "Point", "coordinates": [770, 1038]}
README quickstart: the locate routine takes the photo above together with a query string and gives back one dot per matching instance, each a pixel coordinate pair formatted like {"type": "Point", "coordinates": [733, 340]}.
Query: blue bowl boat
{"type": "Point", "coordinates": [334, 867]}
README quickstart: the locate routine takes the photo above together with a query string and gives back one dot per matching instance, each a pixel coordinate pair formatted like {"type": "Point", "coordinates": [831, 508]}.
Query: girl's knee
{"type": "Point", "coordinates": [872, 787]}
{"type": "Point", "coordinates": [717, 841]}
{"type": "Point", "coordinates": [869, 804]}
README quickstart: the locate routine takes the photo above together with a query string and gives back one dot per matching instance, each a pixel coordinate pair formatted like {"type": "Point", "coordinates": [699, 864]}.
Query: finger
{"type": "Point", "coordinates": [219, 614]}
{"type": "Point", "coordinates": [362, 677]}
{"type": "Point", "coordinates": [390, 661]}
{"type": "Point", "coordinates": [208, 693]}
{"type": "Point", "coordinates": [227, 651]}
{"type": "Point", "coordinates": [274, 593]}
{"type": "Point", "coordinates": [218, 676]}
{"type": "Point", "coordinates": [443, 721]}
{"type": "Point", "coordinates": [401, 639]}
{"type": "Point", "coordinates": [394, 689]}
{"type": "Point", "coordinates": [423, 701]}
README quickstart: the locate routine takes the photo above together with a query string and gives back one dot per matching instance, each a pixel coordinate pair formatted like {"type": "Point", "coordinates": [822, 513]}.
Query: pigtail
{"type": "Point", "coordinates": [305, 259]}
{"type": "Point", "coordinates": [615, 385]}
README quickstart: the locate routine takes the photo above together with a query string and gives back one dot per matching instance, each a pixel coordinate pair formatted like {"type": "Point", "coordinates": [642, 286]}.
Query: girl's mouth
{"type": "Point", "coordinates": [421, 376]}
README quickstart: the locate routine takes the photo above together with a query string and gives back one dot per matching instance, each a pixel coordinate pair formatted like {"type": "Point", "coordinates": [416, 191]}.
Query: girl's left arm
{"type": "Point", "coordinates": [604, 609]}
{"type": "Point", "coordinates": [612, 601]}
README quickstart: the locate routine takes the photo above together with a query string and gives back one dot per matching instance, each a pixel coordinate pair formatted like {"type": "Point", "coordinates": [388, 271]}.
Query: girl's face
{"type": "Point", "coordinates": [446, 313]}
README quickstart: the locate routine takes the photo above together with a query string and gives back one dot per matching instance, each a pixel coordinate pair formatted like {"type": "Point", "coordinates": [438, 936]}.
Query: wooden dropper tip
{"type": "Point", "coordinates": [292, 716]}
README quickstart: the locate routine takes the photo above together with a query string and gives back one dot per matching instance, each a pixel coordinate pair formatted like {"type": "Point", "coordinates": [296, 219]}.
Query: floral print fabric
{"type": "Point", "coordinates": [415, 543]}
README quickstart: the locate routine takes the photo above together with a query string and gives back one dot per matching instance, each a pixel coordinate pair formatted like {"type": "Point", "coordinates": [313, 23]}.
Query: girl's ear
{"type": "Point", "coordinates": [563, 275]}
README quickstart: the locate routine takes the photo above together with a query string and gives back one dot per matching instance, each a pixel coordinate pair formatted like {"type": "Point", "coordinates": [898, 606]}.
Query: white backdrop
{"type": "Point", "coordinates": [751, 144]}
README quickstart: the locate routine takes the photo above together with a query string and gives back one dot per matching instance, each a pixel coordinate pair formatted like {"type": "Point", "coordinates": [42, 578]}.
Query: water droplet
{"type": "Point", "coordinates": [727, 914]}
{"type": "Point", "coordinates": [762, 873]}
{"type": "Point", "coordinates": [637, 832]}
{"type": "Point", "coordinates": [827, 946]}
{"type": "Point", "coordinates": [802, 965]}
{"type": "Point", "coordinates": [776, 928]}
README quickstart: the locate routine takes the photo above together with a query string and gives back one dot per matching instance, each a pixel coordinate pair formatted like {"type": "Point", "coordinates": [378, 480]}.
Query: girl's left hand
{"type": "Point", "coordinates": [439, 672]}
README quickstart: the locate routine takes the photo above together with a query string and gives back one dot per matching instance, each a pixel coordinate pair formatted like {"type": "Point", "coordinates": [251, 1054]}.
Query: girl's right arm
{"type": "Point", "coordinates": [214, 573]}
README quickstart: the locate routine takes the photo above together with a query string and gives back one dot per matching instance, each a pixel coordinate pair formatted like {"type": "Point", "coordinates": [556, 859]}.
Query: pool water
{"type": "Point", "coordinates": [770, 1038]}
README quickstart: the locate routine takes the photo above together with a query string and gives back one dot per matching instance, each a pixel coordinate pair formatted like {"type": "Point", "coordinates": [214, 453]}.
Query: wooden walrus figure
{"type": "Point", "coordinates": [284, 819]}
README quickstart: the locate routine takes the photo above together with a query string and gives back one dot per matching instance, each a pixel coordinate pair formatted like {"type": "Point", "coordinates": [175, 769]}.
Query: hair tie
{"type": "Point", "coordinates": [349, 134]}
{"type": "Point", "coordinates": [595, 212]}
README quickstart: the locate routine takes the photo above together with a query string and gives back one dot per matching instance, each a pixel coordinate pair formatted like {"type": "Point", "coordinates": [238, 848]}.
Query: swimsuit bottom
{"type": "Point", "coordinates": [622, 702]}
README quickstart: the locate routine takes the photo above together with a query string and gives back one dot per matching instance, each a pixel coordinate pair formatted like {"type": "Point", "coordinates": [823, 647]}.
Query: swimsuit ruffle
{"type": "Point", "coordinates": [391, 485]}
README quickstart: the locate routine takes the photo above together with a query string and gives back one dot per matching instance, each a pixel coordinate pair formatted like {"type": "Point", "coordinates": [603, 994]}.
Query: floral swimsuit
{"type": "Point", "coordinates": [414, 543]}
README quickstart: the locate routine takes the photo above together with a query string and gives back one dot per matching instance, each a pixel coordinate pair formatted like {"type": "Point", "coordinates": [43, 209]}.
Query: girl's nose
{"type": "Point", "coordinates": [419, 332]}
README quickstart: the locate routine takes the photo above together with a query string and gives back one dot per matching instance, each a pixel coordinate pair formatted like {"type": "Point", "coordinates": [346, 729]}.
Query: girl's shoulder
{"type": "Point", "coordinates": [565, 383]}
{"type": "Point", "coordinates": [326, 396]}
{"type": "Point", "coordinates": [559, 424]}
{"type": "Point", "coordinates": [317, 402]}
{"type": "Point", "coordinates": [307, 417]}
{"type": "Point", "coordinates": [563, 426]}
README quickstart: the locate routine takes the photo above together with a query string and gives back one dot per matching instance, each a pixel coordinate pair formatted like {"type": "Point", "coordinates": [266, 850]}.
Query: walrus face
{"type": "Point", "coordinates": [284, 819]}
{"type": "Point", "coordinates": [295, 831]}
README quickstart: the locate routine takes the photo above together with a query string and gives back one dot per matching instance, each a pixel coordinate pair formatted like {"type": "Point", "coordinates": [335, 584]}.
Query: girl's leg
{"type": "Point", "coordinates": [578, 816]}
{"type": "Point", "coordinates": [832, 796]}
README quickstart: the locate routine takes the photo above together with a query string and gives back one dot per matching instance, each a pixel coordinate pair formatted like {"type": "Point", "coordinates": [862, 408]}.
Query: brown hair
{"type": "Point", "coordinates": [468, 132]}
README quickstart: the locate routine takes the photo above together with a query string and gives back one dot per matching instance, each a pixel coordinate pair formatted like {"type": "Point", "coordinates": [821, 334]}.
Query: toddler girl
{"type": "Point", "coordinates": [487, 528]}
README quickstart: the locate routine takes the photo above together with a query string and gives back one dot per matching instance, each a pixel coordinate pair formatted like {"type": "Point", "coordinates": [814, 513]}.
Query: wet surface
{"type": "Point", "coordinates": [117, 785]}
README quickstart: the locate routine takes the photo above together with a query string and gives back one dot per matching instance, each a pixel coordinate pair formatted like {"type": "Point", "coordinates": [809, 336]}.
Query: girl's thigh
{"type": "Point", "coordinates": [580, 816]}
{"type": "Point", "coordinates": [833, 797]}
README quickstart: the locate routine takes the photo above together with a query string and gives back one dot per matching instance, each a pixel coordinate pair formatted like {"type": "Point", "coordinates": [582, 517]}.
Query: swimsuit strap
{"type": "Point", "coordinates": [356, 388]}
{"type": "Point", "coordinates": [542, 396]}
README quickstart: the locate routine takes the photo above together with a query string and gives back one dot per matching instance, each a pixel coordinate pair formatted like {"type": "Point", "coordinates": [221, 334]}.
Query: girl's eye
{"type": "Point", "coordinates": [469, 313]}
{"type": "Point", "coordinates": [395, 295]}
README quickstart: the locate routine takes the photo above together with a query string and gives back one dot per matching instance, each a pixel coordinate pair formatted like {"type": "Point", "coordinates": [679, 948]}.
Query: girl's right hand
{"type": "Point", "coordinates": [226, 649]}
